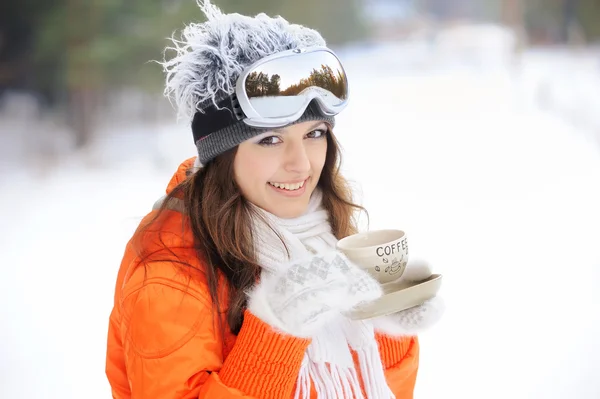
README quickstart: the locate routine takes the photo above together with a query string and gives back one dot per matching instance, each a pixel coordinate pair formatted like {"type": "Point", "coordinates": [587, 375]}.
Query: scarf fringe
{"type": "Point", "coordinates": [303, 383]}
{"type": "Point", "coordinates": [330, 382]}
{"type": "Point", "coordinates": [372, 373]}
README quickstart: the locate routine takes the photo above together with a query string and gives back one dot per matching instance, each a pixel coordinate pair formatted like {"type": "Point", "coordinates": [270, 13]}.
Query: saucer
{"type": "Point", "coordinates": [398, 297]}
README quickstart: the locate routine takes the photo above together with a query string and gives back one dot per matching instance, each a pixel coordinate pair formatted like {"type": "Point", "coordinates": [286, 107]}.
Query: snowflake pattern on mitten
{"type": "Point", "coordinates": [307, 294]}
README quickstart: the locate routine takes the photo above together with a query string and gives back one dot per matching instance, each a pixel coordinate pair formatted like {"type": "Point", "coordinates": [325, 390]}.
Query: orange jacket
{"type": "Point", "coordinates": [163, 341]}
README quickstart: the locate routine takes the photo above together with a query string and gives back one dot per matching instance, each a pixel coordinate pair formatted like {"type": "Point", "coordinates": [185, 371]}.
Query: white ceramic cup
{"type": "Point", "coordinates": [382, 253]}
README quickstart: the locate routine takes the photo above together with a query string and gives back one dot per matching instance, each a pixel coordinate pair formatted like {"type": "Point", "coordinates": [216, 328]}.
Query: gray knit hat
{"type": "Point", "coordinates": [208, 59]}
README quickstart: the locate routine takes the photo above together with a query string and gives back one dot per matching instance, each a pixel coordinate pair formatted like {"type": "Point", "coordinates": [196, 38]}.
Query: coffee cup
{"type": "Point", "coordinates": [382, 253]}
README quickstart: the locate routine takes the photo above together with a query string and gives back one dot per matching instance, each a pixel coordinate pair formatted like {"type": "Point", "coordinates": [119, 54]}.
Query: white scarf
{"type": "Point", "coordinates": [328, 361]}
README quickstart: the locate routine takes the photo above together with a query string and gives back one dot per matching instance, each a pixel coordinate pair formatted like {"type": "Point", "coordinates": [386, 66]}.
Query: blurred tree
{"type": "Point", "coordinates": [512, 14]}
{"type": "Point", "coordinates": [543, 20]}
{"type": "Point", "coordinates": [587, 14]}
{"type": "Point", "coordinates": [18, 23]}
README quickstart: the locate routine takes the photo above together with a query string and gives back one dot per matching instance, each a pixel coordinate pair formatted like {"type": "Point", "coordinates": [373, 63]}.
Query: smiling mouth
{"type": "Point", "coordinates": [288, 186]}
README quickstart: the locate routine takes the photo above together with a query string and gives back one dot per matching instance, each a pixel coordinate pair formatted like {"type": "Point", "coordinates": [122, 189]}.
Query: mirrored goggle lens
{"type": "Point", "coordinates": [280, 87]}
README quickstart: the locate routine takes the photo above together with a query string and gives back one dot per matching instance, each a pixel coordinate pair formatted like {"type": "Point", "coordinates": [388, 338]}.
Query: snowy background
{"type": "Point", "coordinates": [490, 160]}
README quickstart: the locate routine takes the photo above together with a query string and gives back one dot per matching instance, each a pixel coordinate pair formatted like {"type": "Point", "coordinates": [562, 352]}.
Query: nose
{"type": "Point", "coordinates": [296, 158]}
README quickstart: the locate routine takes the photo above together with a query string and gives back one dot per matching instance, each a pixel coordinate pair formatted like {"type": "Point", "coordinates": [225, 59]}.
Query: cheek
{"type": "Point", "coordinates": [317, 157]}
{"type": "Point", "coordinates": [252, 172]}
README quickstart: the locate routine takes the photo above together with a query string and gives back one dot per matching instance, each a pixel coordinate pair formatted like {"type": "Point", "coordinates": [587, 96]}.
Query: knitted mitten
{"type": "Point", "coordinates": [307, 294]}
{"type": "Point", "coordinates": [419, 318]}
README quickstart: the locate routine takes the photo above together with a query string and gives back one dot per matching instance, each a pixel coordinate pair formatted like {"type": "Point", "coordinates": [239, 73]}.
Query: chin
{"type": "Point", "coordinates": [288, 214]}
{"type": "Point", "coordinates": [289, 211]}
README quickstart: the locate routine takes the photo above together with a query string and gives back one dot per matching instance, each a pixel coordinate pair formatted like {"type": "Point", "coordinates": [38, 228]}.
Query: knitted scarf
{"type": "Point", "coordinates": [328, 362]}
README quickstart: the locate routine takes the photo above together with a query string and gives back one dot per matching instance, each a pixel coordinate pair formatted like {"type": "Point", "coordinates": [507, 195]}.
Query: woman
{"type": "Point", "coordinates": [231, 287]}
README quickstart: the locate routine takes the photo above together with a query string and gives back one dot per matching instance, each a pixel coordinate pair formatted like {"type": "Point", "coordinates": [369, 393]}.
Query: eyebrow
{"type": "Point", "coordinates": [281, 130]}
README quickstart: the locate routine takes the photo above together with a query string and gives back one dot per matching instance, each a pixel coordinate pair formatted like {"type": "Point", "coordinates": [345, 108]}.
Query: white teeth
{"type": "Point", "coordinates": [287, 186]}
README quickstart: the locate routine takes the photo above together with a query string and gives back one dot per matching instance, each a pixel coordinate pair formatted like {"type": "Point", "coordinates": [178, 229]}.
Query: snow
{"type": "Point", "coordinates": [500, 192]}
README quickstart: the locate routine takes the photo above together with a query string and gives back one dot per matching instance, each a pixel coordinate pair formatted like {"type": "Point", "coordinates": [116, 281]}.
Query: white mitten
{"type": "Point", "coordinates": [417, 319]}
{"type": "Point", "coordinates": [411, 321]}
{"type": "Point", "coordinates": [417, 270]}
{"type": "Point", "coordinates": [302, 299]}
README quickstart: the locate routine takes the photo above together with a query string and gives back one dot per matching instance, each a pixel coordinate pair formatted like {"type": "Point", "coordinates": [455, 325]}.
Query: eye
{"type": "Point", "coordinates": [317, 134]}
{"type": "Point", "coordinates": [271, 140]}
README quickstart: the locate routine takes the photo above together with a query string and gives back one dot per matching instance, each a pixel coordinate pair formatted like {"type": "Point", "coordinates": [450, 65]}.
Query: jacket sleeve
{"type": "Point", "coordinates": [400, 357]}
{"type": "Point", "coordinates": [173, 349]}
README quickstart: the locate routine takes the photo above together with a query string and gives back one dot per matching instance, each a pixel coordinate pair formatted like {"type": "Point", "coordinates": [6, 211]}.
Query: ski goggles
{"type": "Point", "coordinates": [276, 90]}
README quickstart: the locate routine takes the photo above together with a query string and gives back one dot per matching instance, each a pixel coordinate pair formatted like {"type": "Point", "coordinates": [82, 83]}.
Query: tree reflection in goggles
{"type": "Point", "coordinates": [292, 76]}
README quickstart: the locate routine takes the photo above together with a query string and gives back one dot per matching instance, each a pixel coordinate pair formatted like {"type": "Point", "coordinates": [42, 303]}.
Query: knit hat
{"type": "Point", "coordinates": [208, 59]}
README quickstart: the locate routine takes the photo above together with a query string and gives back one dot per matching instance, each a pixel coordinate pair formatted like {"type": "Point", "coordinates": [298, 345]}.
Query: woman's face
{"type": "Point", "coordinates": [278, 170]}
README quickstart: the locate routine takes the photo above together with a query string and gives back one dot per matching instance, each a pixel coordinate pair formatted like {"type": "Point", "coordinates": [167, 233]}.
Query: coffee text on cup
{"type": "Point", "coordinates": [396, 247]}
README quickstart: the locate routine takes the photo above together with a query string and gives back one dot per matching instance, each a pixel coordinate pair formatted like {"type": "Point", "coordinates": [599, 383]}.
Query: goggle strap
{"type": "Point", "coordinates": [237, 108]}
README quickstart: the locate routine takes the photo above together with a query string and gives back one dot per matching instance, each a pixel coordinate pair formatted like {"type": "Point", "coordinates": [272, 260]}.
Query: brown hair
{"type": "Point", "coordinates": [220, 218]}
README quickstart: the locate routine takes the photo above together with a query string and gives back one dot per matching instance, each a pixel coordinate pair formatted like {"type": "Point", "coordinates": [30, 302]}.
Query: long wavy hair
{"type": "Point", "coordinates": [220, 220]}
